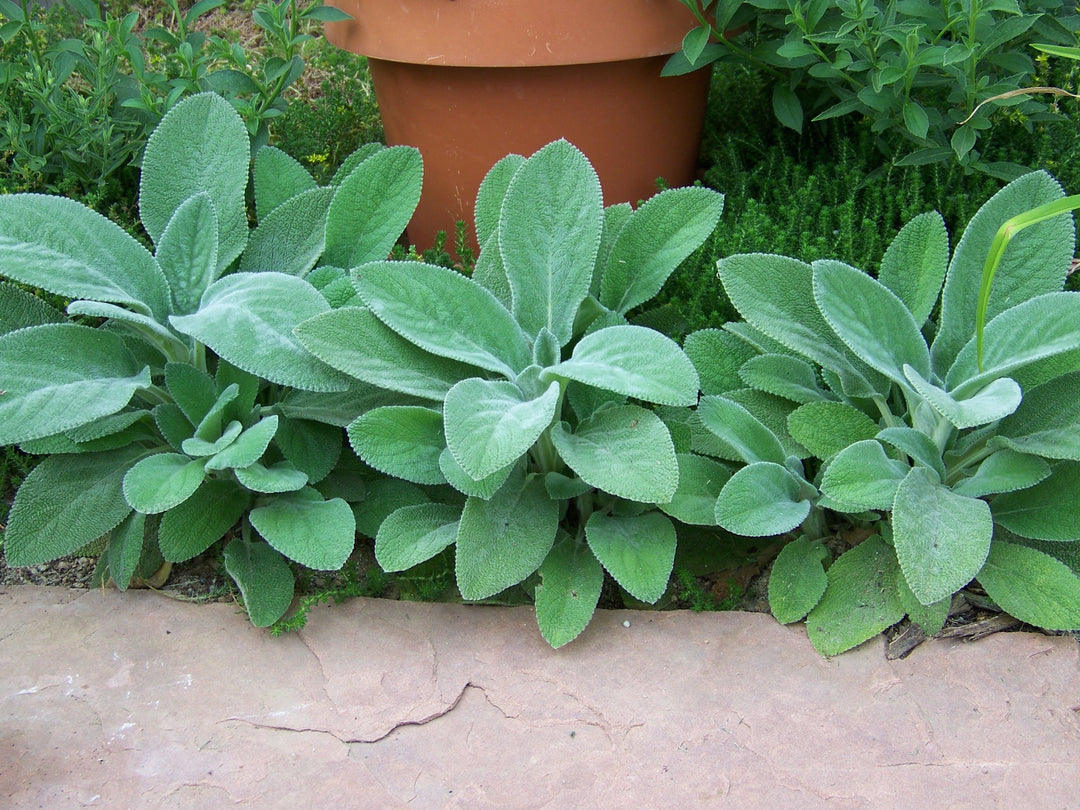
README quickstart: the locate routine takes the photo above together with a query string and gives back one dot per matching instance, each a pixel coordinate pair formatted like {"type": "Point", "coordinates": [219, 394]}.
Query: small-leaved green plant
{"type": "Point", "coordinates": [527, 397]}
{"type": "Point", "coordinates": [191, 408]}
{"type": "Point", "coordinates": [959, 445]}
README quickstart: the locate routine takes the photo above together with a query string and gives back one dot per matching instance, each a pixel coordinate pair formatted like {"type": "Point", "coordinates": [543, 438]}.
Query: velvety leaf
{"type": "Point", "coordinates": [290, 239]}
{"type": "Point", "coordinates": [162, 481]}
{"type": "Point", "coordinates": [193, 390]}
{"type": "Point", "coordinates": [248, 447]}
{"type": "Point", "coordinates": [200, 145]}
{"type": "Point", "coordinates": [773, 412]}
{"type": "Point", "coordinates": [372, 206]}
{"type": "Point", "coordinates": [301, 525]}
{"type": "Point", "coordinates": [566, 598]}
{"type": "Point", "coordinates": [915, 262]}
{"type": "Point", "coordinates": [20, 309]}
{"type": "Point", "coordinates": [383, 497]}
{"type": "Point", "coordinates": [718, 357]}
{"type": "Point", "coordinates": [700, 482]}
{"type": "Point", "coordinates": [1032, 586]}
{"type": "Point", "coordinates": [625, 450]}
{"type": "Point", "coordinates": [489, 198]}
{"type": "Point", "coordinates": [917, 445]}
{"type": "Point", "coordinates": [826, 428]}
{"type": "Point", "coordinates": [400, 440]}
{"type": "Point", "coordinates": [187, 252]}
{"type": "Point", "coordinates": [1003, 471]}
{"type": "Point", "coordinates": [931, 618]}
{"type": "Point", "coordinates": [277, 177]}
{"type": "Point", "coordinates": [797, 580]}
{"type": "Point", "coordinates": [655, 240]}
{"type": "Point", "coordinates": [639, 551]}
{"type": "Point", "coordinates": [941, 538]}
{"type": "Point", "coordinates": [191, 527]}
{"type": "Point", "coordinates": [762, 499]}
{"type": "Point", "coordinates": [172, 424]}
{"type": "Point", "coordinates": [354, 341]}
{"type": "Point", "coordinates": [63, 247]}
{"type": "Point", "coordinates": [743, 437]}
{"type": "Point", "coordinates": [66, 502]}
{"type": "Point", "coordinates": [1034, 263]}
{"type": "Point", "coordinates": [549, 233]}
{"type": "Point", "coordinates": [860, 600]}
{"type": "Point", "coordinates": [446, 314]}
{"type": "Point", "coordinates": [870, 319]}
{"type": "Point", "coordinates": [862, 477]}
{"type": "Point", "coordinates": [634, 361]}
{"type": "Point", "coordinates": [995, 401]}
{"type": "Point", "coordinates": [125, 548]}
{"type": "Point", "coordinates": [562, 487]}
{"type": "Point", "coordinates": [196, 446]}
{"type": "Point", "coordinates": [312, 447]}
{"type": "Point", "coordinates": [490, 424]}
{"type": "Point", "coordinates": [784, 376]}
{"type": "Point", "coordinates": [1047, 423]}
{"type": "Point", "coordinates": [264, 578]}
{"type": "Point", "coordinates": [280, 477]}
{"type": "Point", "coordinates": [466, 484]}
{"type": "Point", "coordinates": [413, 534]}
{"type": "Point", "coordinates": [502, 540]}
{"type": "Point", "coordinates": [211, 429]}
{"type": "Point", "coordinates": [248, 319]}
{"type": "Point", "coordinates": [60, 376]}
{"type": "Point", "coordinates": [1046, 511]}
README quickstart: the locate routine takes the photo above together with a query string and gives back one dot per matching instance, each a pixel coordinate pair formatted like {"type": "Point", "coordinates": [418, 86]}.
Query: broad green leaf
{"type": "Point", "coordinates": [466, 484]}
{"type": "Point", "coordinates": [700, 482]}
{"type": "Point", "coordinates": [162, 481]}
{"type": "Point", "coordinates": [1003, 471]}
{"type": "Point", "coordinates": [761, 500]}
{"type": "Point", "coordinates": [490, 423]}
{"type": "Point", "coordinates": [1010, 344]}
{"type": "Point", "coordinates": [571, 581]}
{"type": "Point", "coordinates": [210, 429]}
{"type": "Point", "coordinates": [549, 233]}
{"type": "Point", "coordinates": [503, 540]}
{"type": "Point", "coordinates": [615, 218]}
{"type": "Point", "coordinates": [280, 477]}
{"type": "Point", "coordinates": [1047, 423]}
{"type": "Point", "coordinates": [941, 538]}
{"type": "Point", "coordinates": [277, 177]}
{"type": "Point", "coordinates": [59, 376]}
{"type": "Point", "coordinates": [401, 440]}
{"type": "Point", "coordinates": [174, 427]}
{"type": "Point", "coordinates": [248, 319]}
{"type": "Point", "coordinates": [301, 525]}
{"type": "Point", "coordinates": [196, 446]}
{"type": "Point", "coordinates": [187, 252]}
{"type": "Point", "coordinates": [193, 391]}
{"type": "Point", "coordinates": [798, 579]}
{"type": "Point", "coordinates": [1035, 262]}
{"type": "Point", "coordinates": [125, 548]}
{"type": "Point", "coordinates": [784, 376]}
{"type": "Point", "coordinates": [201, 145]}
{"type": "Point", "coordinates": [563, 488]}
{"type": "Point", "coordinates": [931, 618]}
{"type": "Point", "coordinates": [862, 477]}
{"type": "Point", "coordinates": [639, 551]}
{"type": "Point", "coordinates": [1046, 511]}
{"type": "Point", "coordinates": [718, 357]}
{"type": "Point", "coordinates": [786, 107]}
{"type": "Point", "coordinates": [826, 428]}
{"type": "Point", "coordinates": [446, 314]}
{"type": "Point", "coordinates": [62, 246]}
{"type": "Point", "coordinates": [264, 578]}
{"type": "Point", "coordinates": [67, 502]}
{"type": "Point", "coordinates": [634, 361]}
{"type": "Point", "coordinates": [154, 338]}
{"type": "Point", "coordinates": [917, 445]}
{"type": "Point", "coordinates": [312, 447]}
{"type": "Point", "coordinates": [625, 450]}
{"type": "Point", "coordinates": [353, 162]}
{"type": "Point", "coordinates": [915, 262]}
{"type": "Point", "coordinates": [191, 527]}
{"type": "Point", "coordinates": [291, 238]}
{"type": "Point", "coordinates": [860, 600]}
{"type": "Point", "coordinates": [354, 341]}
{"type": "Point", "coordinates": [413, 534]}
{"type": "Point", "coordinates": [871, 320]}
{"type": "Point", "coordinates": [1032, 586]}
{"type": "Point", "coordinates": [490, 274]}
{"type": "Point", "coordinates": [773, 412]}
{"type": "Point", "coordinates": [489, 198]}
{"type": "Point", "coordinates": [20, 309]}
{"type": "Point", "coordinates": [248, 446]}
{"type": "Point", "coordinates": [383, 497]}
{"type": "Point", "coordinates": [666, 229]}
{"type": "Point", "coordinates": [372, 206]}
{"type": "Point", "coordinates": [980, 407]}
{"type": "Point", "coordinates": [742, 436]}
{"type": "Point", "coordinates": [247, 389]}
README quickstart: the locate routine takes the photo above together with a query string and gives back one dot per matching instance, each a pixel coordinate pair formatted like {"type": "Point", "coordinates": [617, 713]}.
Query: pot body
{"type": "Point", "coordinates": [469, 81]}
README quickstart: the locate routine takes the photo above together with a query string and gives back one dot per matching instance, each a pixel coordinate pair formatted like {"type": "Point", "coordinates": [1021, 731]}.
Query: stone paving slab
{"type": "Point", "coordinates": [136, 700]}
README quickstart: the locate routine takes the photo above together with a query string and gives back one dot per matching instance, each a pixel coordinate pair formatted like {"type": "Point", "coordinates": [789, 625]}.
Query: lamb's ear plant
{"type": "Point", "coordinates": [191, 408]}
{"type": "Point", "coordinates": [530, 410]}
{"type": "Point", "coordinates": [958, 447]}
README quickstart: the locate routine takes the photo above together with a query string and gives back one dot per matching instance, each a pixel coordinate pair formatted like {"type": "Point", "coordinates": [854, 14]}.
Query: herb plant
{"type": "Point", "coordinates": [191, 408]}
{"type": "Point", "coordinates": [525, 391]}
{"type": "Point", "coordinates": [916, 69]}
{"type": "Point", "coordinates": [957, 447]}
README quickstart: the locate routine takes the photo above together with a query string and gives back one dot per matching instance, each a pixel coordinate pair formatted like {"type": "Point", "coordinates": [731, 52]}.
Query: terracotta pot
{"type": "Point", "coordinates": [469, 81]}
